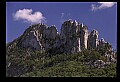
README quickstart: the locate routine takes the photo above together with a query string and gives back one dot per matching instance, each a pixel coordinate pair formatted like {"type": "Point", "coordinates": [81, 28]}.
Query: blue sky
{"type": "Point", "coordinates": [96, 15]}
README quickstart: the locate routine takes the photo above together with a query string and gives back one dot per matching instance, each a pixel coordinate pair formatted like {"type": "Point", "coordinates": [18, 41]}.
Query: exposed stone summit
{"type": "Point", "coordinates": [73, 37]}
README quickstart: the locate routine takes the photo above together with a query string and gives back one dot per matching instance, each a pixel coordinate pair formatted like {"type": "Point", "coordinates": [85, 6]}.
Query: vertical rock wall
{"type": "Point", "coordinates": [74, 37]}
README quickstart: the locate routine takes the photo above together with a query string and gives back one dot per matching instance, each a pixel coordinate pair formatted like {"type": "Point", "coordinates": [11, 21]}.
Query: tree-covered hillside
{"type": "Point", "coordinates": [28, 63]}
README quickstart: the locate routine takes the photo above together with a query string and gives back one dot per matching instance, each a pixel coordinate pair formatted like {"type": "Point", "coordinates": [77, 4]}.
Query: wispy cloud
{"type": "Point", "coordinates": [62, 14]}
{"type": "Point", "coordinates": [102, 5]}
{"type": "Point", "coordinates": [27, 16]}
{"type": "Point", "coordinates": [62, 17]}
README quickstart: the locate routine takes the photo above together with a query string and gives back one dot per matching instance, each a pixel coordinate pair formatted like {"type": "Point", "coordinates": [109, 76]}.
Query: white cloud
{"type": "Point", "coordinates": [27, 16]}
{"type": "Point", "coordinates": [102, 5]}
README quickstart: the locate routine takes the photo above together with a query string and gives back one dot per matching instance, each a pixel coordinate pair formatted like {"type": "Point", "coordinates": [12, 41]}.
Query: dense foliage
{"type": "Point", "coordinates": [29, 63]}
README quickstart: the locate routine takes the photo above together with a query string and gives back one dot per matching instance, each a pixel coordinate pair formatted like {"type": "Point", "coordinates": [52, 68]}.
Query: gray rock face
{"type": "Point", "coordinates": [69, 37]}
{"type": "Point", "coordinates": [32, 40]}
{"type": "Point", "coordinates": [73, 37]}
{"type": "Point", "coordinates": [107, 45]}
{"type": "Point", "coordinates": [93, 39]}
{"type": "Point", "coordinates": [102, 42]}
{"type": "Point", "coordinates": [83, 36]}
{"type": "Point", "coordinates": [99, 63]}
{"type": "Point", "coordinates": [41, 37]}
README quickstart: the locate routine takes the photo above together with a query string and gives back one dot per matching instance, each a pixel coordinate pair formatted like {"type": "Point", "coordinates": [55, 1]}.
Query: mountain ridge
{"type": "Point", "coordinates": [74, 37]}
{"type": "Point", "coordinates": [42, 51]}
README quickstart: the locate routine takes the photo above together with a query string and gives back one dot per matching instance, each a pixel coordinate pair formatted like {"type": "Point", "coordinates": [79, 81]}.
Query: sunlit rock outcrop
{"type": "Point", "coordinates": [73, 37]}
{"type": "Point", "coordinates": [93, 41]}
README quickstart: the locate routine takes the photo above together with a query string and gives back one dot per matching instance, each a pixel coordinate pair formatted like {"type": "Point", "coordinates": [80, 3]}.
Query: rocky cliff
{"type": "Point", "coordinates": [42, 51]}
{"type": "Point", "coordinates": [73, 37]}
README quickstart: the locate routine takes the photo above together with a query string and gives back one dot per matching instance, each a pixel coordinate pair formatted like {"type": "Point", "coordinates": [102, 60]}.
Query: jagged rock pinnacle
{"type": "Point", "coordinates": [74, 37]}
